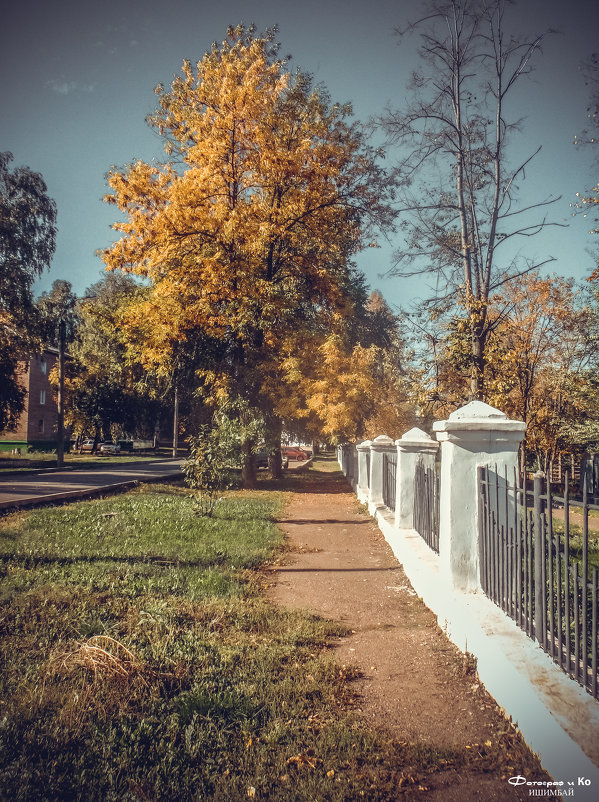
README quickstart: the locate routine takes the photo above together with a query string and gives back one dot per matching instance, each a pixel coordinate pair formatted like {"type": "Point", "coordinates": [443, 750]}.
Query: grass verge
{"type": "Point", "coordinates": [139, 659]}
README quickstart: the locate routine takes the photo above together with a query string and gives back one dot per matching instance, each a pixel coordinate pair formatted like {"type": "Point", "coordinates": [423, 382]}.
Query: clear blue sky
{"type": "Point", "coordinates": [78, 80]}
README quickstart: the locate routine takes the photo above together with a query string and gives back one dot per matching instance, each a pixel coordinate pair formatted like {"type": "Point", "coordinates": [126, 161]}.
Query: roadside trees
{"type": "Point", "coordinates": [249, 226]}
{"type": "Point", "coordinates": [27, 243]}
{"type": "Point", "coordinates": [459, 206]}
{"type": "Point", "coordinates": [109, 392]}
{"type": "Point", "coordinates": [540, 362]}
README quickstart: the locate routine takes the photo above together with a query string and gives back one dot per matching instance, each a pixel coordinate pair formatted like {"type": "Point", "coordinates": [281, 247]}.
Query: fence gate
{"type": "Point", "coordinates": [536, 563]}
{"type": "Point", "coordinates": [426, 504]}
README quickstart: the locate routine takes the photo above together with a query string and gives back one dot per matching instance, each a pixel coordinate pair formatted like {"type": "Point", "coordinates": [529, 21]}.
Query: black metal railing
{"type": "Point", "coordinates": [538, 562]}
{"type": "Point", "coordinates": [389, 480]}
{"type": "Point", "coordinates": [426, 504]}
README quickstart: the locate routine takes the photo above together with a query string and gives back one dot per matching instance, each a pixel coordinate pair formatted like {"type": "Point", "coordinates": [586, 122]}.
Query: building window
{"type": "Point", "coordinates": [42, 396]}
{"type": "Point", "coordinates": [42, 425]}
{"type": "Point", "coordinates": [44, 366]}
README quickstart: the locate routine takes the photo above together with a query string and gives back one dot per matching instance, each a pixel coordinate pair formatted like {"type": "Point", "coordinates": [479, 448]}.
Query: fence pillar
{"type": "Point", "coordinates": [363, 450]}
{"type": "Point", "coordinates": [477, 434]}
{"type": "Point", "coordinates": [412, 447]}
{"type": "Point", "coordinates": [378, 446]}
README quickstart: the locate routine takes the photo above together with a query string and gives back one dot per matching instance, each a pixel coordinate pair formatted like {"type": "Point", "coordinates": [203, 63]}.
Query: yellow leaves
{"type": "Point", "coordinates": [244, 236]}
{"type": "Point", "coordinates": [326, 383]}
{"type": "Point", "coordinates": [305, 759]}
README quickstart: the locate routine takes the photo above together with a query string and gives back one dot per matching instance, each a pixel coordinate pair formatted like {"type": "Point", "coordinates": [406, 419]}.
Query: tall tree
{"type": "Point", "coordinates": [588, 200]}
{"type": "Point", "coordinates": [250, 224]}
{"type": "Point", "coordinates": [27, 243]}
{"type": "Point", "coordinates": [460, 207]}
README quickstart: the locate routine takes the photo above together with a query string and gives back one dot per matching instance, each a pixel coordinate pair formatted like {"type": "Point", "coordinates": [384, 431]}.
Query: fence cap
{"type": "Point", "coordinates": [415, 434]}
{"type": "Point", "coordinates": [477, 409]}
{"type": "Point", "coordinates": [416, 441]}
{"type": "Point", "coordinates": [365, 445]}
{"type": "Point", "coordinates": [382, 443]}
{"type": "Point", "coordinates": [479, 416]}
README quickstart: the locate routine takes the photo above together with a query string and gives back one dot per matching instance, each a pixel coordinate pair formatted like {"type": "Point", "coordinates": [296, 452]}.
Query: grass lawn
{"type": "Point", "coordinates": [140, 659]}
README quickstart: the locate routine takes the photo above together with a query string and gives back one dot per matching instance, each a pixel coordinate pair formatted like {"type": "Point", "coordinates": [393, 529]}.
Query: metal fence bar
{"type": "Point", "coordinates": [550, 574]}
{"type": "Point", "coordinates": [531, 569]}
{"type": "Point", "coordinates": [538, 561]}
{"type": "Point", "coordinates": [594, 648]}
{"type": "Point", "coordinates": [567, 572]}
{"type": "Point", "coordinates": [585, 573]}
{"type": "Point", "coordinates": [426, 505]}
{"type": "Point", "coordinates": [389, 477]}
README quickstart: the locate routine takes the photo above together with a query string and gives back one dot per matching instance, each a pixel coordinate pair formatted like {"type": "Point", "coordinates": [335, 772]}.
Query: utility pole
{"type": "Point", "coordinates": [176, 421]}
{"type": "Point", "coordinates": [60, 397]}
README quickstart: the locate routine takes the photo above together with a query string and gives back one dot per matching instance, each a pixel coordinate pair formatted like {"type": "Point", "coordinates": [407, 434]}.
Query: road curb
{"type": "Point", "coordinates": [80, 495]}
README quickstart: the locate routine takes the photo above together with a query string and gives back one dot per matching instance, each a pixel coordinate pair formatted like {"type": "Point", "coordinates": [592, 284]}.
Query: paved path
{"type": "Point", "coordinates": [416, 685]}
{"type": "Point", "coordinates": [49, 486]}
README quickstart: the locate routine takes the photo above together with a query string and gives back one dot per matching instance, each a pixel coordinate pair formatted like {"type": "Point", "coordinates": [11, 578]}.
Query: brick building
{"type": "Point", "coordinates": [37, 425]}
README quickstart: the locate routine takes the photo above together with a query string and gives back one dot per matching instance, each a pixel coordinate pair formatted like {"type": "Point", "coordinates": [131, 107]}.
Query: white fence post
{"type": "Point", "coordinates": [378, 447]}
{"type": "Point", "coordinates": [477, 434]}
{"type": "Point", "coordinates": [414, 446]}
{"type": "Point", "coordinates": [363, 450]}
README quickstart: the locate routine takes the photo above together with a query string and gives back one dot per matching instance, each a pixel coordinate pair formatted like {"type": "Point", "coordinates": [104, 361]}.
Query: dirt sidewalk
{"type": "Point", "coordinates": [416, 685]}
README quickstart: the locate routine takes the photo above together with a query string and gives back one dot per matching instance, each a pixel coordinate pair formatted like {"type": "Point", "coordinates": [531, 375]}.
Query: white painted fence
{"type": "Point", "coordinates": [558, 719]}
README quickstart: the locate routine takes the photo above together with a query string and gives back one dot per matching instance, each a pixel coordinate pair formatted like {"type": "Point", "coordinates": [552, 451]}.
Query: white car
{"type": "Point", "coordinates": [110, 448]}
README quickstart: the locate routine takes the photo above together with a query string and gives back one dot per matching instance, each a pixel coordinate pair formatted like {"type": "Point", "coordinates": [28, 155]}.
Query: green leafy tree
{"type": "Point", "coordinates": [27, 244]}
{"type": "Point", "coordinates": [109, 392]}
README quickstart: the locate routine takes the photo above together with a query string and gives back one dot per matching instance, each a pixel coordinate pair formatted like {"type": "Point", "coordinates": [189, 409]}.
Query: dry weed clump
{"type": "Point", "coordinates": [107, 658]}
{"type": "Point", "coordinates": [99, 678]}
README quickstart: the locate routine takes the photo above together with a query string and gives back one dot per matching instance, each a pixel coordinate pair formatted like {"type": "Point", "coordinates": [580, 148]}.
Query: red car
{"type": "Point", "coordinates": [294, 452]}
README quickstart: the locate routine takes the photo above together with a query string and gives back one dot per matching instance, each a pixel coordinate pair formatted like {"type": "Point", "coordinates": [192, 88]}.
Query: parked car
{"type": "Point", "coordinates": [294, 452]}
{"type": "Point", "coordinates": [261, 458]}
{"type": "Point", "coordinates": [87, 446]}
{"type": "Point", "coordinates": [110, 448]}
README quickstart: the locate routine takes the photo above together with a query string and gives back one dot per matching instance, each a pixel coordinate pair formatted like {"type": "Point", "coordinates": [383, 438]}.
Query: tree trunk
{"type": "Point", "coordinates": [248, 465]}
{"type": "Point", "coordinates": [275, 462]}
{"type": "Point", "coordinates": [273, 443]}
{"type": "Point", "coordinates": [315, 448]}
{"type": "Point", "coordinates": [477, 379]}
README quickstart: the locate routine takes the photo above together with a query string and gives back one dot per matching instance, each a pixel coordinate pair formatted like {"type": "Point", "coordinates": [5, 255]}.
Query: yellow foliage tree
{"type": "Point", "coordinates": [249, 225]}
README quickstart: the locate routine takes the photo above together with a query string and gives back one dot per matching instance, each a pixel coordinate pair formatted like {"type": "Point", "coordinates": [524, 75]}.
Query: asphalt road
{"type": "Point", "coordinates": [49, 486]}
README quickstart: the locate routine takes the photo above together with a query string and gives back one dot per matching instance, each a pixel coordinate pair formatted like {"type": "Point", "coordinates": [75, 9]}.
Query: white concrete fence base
{"type": "Point", "coordinates": [558, 719]}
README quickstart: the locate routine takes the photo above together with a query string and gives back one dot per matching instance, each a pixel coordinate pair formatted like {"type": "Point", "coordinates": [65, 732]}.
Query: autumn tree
{"type": "Point", "coordinates": [27, 243]}
{"type": "Point", "coordinates": [460, 209]}
{"type": "Point", "coordinates": [249, 225]}
{"type": "Point", "coordinates": [539, 364]}
{"type": "Point", "coordinates": [541, 349]}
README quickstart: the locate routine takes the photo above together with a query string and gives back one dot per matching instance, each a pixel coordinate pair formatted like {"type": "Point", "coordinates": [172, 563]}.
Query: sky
{"type": "Point", "coordinates": [78, 80]}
